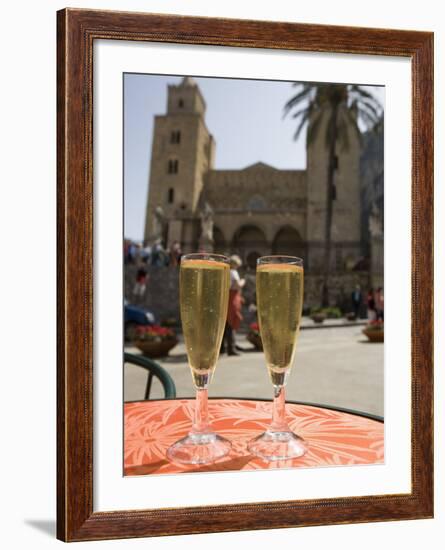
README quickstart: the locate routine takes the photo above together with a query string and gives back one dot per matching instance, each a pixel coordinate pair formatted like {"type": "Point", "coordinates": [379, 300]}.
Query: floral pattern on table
{"type": "Point", "coordinates": [333, 438]}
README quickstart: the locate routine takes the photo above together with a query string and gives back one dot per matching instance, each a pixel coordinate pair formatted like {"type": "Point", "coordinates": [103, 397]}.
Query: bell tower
{"type": "Point", "coordinates": [183, 151]}
{"type": "Point", "coordinates": [345, 228]}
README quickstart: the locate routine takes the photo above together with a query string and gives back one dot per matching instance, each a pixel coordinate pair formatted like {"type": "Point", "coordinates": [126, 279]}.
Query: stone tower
{"type": "Point", "coordinates": [182, 153]}
{"type": "Point", "coordinates": [345, 232]}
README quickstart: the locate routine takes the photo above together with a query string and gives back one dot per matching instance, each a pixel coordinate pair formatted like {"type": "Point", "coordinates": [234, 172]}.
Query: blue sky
{"type": "Point", "coordinates": [244, 116]}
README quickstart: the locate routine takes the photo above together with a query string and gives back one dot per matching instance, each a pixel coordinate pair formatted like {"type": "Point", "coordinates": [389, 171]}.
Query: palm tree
{"type": "Point", "coordinates": [343, 105]}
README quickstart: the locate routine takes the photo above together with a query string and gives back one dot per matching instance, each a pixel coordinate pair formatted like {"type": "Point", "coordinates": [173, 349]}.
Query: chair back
{"type": "Point", "coordinates": [154, 370]}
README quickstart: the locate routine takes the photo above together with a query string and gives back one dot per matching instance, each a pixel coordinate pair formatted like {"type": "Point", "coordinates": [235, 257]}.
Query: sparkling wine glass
{"type": "Point", "coordinates": [204, 282]}
{"type": "Point", "coordinates": [279, 287]}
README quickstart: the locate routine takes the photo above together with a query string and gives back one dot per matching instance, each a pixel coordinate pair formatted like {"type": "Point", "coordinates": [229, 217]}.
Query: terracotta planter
{"type": "Point", "coordinates": [154, 349]}
{"type": "Point", "coordinates": [374, 335]}
{"type": "Point", "coordinates": [255, 339]}
{"type": "Point", "coordinates": [318, 317]}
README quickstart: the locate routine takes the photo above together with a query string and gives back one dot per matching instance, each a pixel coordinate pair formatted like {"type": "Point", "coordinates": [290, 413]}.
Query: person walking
{"type": "Point", "coordinates": [175, 254]}
{"type": "Point", "coordinates": [234, 316]}
{"type": "Point", "coordinates": [379, 303]}
{"type": "Point", "coordinates": [141, 283]}
{"type": "Point", "coordinates": [356, 300]}
{"type": "Point", "coordinates": [372, 315]}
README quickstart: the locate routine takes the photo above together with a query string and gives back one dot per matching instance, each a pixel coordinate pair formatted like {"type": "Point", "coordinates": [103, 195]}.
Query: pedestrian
{"type": "Point", "coordinates": [126, 251]}
{"type": "Point", "coordinates": [356, 300]}
{"type": "Point", "coordinates": [372, 315]}
{"type": "Point", "coordinates": [159, 256]}
{"type": "Point", "coordinates": [145, 253]}
{"type": "Point", "coordinates": [175, 254]}
{"type": "Point", "coordinates": [131, 253]}
{"type": "Point", "coordinates": [234, 316]}
{"type": "Point", "coordinates": [379, 303]}
{"type": "Point", "coordinates": [141, 283]}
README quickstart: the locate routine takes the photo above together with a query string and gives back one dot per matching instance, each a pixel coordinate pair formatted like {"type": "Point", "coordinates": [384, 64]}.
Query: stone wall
{"type": "Point", "coordinates": [162, 294]}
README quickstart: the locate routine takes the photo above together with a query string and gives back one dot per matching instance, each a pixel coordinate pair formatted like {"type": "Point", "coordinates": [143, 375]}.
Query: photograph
{"type": "Point", "coordinates": [244, 274]}
{"type": "Point", "coordinates": [231, 214]}
{"type": "Point", "coordinates": [253, 270]}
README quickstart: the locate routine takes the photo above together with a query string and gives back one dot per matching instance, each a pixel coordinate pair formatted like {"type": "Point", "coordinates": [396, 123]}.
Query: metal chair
{"type": "Point", "coordinates": [154, 370]}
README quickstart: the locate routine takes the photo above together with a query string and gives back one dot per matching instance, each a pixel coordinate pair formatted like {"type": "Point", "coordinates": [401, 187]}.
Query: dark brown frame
{"type": "Point", "coordinates": [77, 30]}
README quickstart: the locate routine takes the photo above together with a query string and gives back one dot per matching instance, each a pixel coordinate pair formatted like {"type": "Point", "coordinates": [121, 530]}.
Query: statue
{"type": "Point", "coordinates": [375, 222]}
{"type": "Point", "coordinates": [158, 225]}
{"type": "Point", "coordinates": [206, 238]}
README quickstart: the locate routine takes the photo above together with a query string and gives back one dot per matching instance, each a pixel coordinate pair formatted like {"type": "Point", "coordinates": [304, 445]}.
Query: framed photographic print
{"type": "Point", "coordinates": [244, 275]}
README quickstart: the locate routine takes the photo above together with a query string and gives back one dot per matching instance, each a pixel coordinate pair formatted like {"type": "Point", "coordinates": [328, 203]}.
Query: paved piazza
{"type": "Point", "coordinates": [333, 366]}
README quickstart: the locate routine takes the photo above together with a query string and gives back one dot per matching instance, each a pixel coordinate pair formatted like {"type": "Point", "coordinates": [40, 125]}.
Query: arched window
{"type": "Point", "coordinates": [175, 137]}
{"type": "Point", "coordinates": [171, 195]}
{"type": "Point", "coordinates": [181, 103]}
{"type": "Point", "coordinates": [172, 167]}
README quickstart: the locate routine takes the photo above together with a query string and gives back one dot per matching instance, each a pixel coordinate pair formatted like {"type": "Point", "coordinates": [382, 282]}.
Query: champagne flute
{"type": "Point", "coordinates": [279, 286]}
{"type": "Point", "coordinates": [204, 282]}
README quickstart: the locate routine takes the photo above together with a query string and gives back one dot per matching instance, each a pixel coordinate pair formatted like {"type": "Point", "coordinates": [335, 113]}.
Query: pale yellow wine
{"type": "Point", "coordinates": [280, 302]}
{"type": "Point", "coordinates": [204, 298]}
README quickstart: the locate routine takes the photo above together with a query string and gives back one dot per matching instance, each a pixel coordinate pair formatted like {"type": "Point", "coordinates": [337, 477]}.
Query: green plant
{"type": "Point", "coordinates": [329, 312]}
{"type": "Point", "coordinates": [332, 312]}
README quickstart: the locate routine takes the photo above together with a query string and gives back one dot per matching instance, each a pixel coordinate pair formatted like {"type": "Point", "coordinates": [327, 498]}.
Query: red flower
{"type": "Point", "coordinates": [154, 332]}
{"type": "Point", "coordinates": [377, 324]}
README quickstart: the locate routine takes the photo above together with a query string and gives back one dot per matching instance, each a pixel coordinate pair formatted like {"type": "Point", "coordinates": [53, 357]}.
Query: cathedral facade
{"type": "Point", "coordinates": [253, 211]}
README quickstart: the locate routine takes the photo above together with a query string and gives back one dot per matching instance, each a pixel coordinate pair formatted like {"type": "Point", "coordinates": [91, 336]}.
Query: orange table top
{"type": "Point", "coordinates": [333, 437]}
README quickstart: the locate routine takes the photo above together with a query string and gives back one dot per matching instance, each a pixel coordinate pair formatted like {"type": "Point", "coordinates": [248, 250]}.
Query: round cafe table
{"type": "Point", "coordinates": [333, 437]}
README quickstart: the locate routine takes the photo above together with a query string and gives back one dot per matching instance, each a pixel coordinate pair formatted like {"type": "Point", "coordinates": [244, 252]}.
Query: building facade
{"type": "Point", "coordinates": [253, 211]}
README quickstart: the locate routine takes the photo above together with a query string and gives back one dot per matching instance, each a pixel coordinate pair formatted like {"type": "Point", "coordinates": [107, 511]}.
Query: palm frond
{"type": "Point", "coordinates": [361, 95]}
{"type": "Point", "coordinates": [300, 112]}
{"type": "Point", "coordinates": [371, 107]}
{"type": "Point", "coordinates": [368, 120]}
{"type": "Point", "coordinates": [314, 100]}
{"type": "Point", "coordinates": [303, 121]}
{"type": "Point", "coordinates": [298, 98]}
{"type": "Point", "coordinates": [372, 117]}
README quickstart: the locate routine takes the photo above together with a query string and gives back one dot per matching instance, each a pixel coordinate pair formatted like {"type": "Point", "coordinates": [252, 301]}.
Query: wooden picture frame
{"type": "Point", "coordinates": [77, 31]}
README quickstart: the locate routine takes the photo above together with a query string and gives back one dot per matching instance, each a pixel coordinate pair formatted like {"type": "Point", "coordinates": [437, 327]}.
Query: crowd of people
{"type": "Point", "coordinates": [157, 255]}
{"type": "Point", "coordinates": [144, 256]}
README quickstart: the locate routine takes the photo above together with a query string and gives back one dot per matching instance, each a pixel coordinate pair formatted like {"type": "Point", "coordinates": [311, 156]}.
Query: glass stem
{"type": "Point", "coordinates": [279, 423]}
{"type": "Point", "coordinates": [201, 415]}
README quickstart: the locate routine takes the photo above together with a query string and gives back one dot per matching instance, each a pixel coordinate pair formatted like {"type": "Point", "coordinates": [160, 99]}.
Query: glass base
{"type": "Point", "coordinates": [203, 448]}
{"type": "Point", "coordinates": [277, 445]}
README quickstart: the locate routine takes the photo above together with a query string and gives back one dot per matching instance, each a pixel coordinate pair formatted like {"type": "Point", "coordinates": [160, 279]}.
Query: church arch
{"type": "Point", "coordinates": [249, 242]}
{"type": "Point", "coordinates": [288, 242]}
